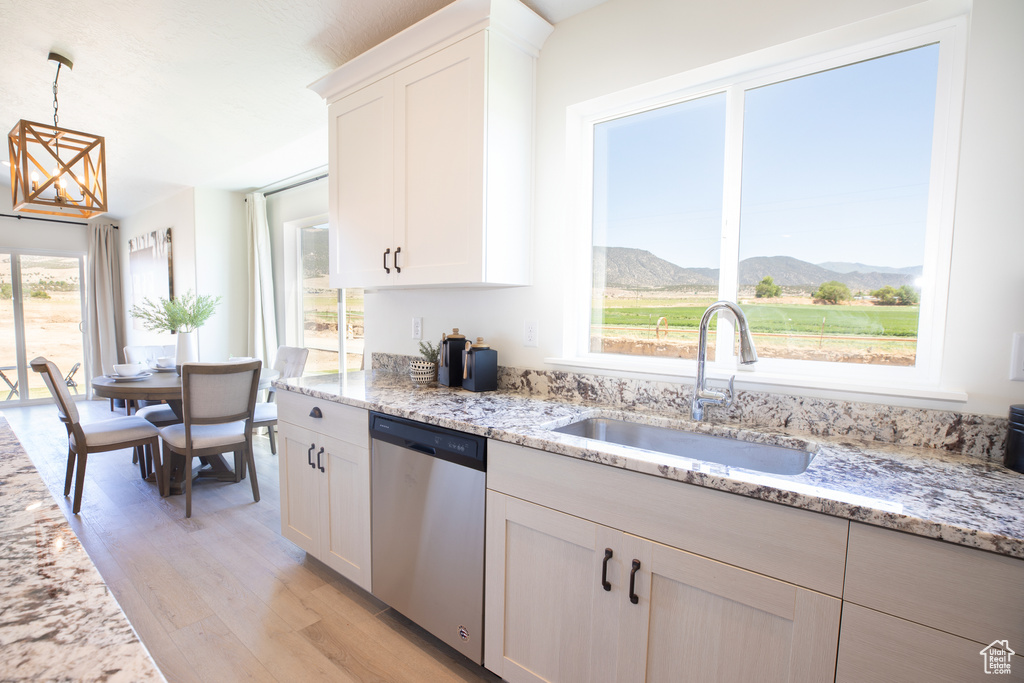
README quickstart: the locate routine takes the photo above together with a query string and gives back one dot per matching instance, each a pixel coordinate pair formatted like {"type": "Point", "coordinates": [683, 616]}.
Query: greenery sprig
{"type": "Point", "coordinates": [185, 313]}
{"type": "Point", "coordinates": [429, 351]}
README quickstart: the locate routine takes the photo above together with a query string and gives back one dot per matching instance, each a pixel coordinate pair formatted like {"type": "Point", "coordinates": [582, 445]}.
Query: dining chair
{"type": "Point", "coordinates": [217, 403]}
{"type": "Point", "coordinates": [290, 362]}
{"type": "Point", "coordinates": [97, 437]}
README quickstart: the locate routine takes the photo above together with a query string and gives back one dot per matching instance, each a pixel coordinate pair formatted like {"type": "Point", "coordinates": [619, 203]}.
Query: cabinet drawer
{"type": "Point", "coordinates": [877, 647]}
{"type": "Point", "coordinates": [971, 593]}
{"type": "Point", "coordinates": [801, 547]}
{"type": "Point", "coordinates": [340, 421]}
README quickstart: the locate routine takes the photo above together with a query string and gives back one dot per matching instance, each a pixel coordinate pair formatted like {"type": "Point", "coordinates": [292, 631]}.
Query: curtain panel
{"type": "Point", "coordinates": [262, 314]}
{"type": "Point", "coordinates": [104, 300]}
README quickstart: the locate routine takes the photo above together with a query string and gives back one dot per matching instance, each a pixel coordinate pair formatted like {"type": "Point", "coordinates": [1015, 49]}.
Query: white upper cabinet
{"type": "Point", "coordinates": [431, 147]}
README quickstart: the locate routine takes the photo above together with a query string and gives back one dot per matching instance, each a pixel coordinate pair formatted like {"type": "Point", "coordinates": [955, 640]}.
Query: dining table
{"type": "Point", "coordinates": [164, 385]}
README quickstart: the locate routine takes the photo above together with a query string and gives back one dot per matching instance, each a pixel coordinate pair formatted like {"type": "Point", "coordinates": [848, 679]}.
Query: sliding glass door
{"type": "Point", "coordinates": [42, 307]}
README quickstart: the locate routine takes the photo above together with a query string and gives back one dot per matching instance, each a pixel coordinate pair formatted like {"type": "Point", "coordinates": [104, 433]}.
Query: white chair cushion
{"type": "Point", "coordinates": [116, 430]}
{"type": "Point", "coordinates": [265, 412]}
{"type": "Point", "coordinates": [229, 435]}
{"type": "Point", "coordinates": [160, 414]}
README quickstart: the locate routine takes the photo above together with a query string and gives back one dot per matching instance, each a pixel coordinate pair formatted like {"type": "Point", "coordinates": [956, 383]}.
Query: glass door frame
{"type": "Point", "coordinates": [21, 353]}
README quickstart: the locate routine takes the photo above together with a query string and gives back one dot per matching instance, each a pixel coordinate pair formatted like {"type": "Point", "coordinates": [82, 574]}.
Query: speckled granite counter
{"type": "Point", "coordinates": [928, 492]}
{"type": "Point", "coordinates": [58, 620]}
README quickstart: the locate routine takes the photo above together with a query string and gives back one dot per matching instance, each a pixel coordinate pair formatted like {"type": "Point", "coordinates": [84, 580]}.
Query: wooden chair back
{"type": "Point", "coordinates": [218, 393]}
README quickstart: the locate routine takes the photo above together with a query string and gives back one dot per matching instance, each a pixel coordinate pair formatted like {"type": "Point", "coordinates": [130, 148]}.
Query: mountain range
{"type": "Point", "coordinates": [626, 267]}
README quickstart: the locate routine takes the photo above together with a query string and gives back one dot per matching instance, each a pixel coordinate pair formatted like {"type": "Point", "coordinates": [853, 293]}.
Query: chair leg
{"type": "Point", "coordinates": [273, 440]}
{"type": "Point", "coordinates": [158, 469]}
{"type": "Point", "coordinates": [71, 469]}
{"type": "Point", "coordinates": [239, 466]}
{"type": "Point", "coordinates": [167, 470]}
{"type": "Point", "coordinates": [188, 485]}
{"type": "Point", "coordinates": [79, 483]}
{"type": "Point", "coordinates": [140, 457]}
{"type": "Point", "coordinates": [252, 470]}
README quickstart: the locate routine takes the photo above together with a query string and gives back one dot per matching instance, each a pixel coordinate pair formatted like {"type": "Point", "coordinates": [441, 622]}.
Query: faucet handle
{"type": "Point", "coordinates": [730, 393]}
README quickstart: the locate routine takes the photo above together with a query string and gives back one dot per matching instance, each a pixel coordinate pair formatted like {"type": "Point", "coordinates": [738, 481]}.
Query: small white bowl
{"type": "Point", "coordinates": [165, 362]}
{"type": "Point", "coordinates": [129, 369]}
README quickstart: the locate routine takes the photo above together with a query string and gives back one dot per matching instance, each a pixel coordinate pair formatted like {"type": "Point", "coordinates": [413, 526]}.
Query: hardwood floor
{"type": "Point", "coordinates": [222, 596]}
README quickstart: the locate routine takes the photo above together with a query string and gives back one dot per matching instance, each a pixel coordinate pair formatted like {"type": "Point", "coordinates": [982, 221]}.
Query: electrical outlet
{"type": "Point", "coordinates": [417, 328]}
{"type": "Point", "coordinates": [530, 333]}
{"type": "Point", "coordinates": [1017, 357]}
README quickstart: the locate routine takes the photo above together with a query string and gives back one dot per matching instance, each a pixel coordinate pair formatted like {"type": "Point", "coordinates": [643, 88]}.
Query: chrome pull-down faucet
{"type": "Point", "coordinates": [701, 394]}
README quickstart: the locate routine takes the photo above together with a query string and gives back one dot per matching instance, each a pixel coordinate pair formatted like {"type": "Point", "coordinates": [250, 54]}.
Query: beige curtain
{"type": "Point", "coordinates": [262, 315]}
{"type": "Point", "coordinates": [104, 300]}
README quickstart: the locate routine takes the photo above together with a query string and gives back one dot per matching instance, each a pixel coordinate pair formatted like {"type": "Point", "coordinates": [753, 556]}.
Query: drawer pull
{"type": "Point", "coordinates": [309, 454]}
{"type": "Point", "coordinates": [633, 597]}
{"type": "Point", "coordinates": [316, 412]}
{"type": "Point", "coordinates": [319, 453]}
{"type": "Point", "coordinates": [604, 570]}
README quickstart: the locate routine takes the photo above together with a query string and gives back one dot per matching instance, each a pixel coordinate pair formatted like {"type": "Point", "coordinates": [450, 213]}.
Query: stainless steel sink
{"type": "Point", "coordinates": [718, 449]}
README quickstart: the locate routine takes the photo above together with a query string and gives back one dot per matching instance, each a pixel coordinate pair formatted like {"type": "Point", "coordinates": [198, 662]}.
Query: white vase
{"type": "Point", "coordinates": [188, 348]}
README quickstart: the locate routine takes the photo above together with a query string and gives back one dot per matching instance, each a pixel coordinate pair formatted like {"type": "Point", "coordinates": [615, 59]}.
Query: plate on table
{"type": "Point", "coordinates": [133, 378]}
{"type": "Point", "coordinates": [157, 368]}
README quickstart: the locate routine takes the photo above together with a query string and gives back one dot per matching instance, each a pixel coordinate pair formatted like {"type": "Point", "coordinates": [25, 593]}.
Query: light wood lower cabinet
{"type": "Point", "coordinates": [572, 600]}
{"type": "Point", "coordinates": [325, 487]}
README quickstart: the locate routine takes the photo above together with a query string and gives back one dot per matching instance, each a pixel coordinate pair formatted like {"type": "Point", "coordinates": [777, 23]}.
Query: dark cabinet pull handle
{"type": "Point", "coordinates": [309, 454]}
{"type": "Point", "coordinates": [386, 252]}
{"type": "Point", "coordinates": [633, 597]}
{"type": "Point", "coordinates": [316, 412]}
{"type": "Point", "coordinates": [398, 250]}
{"type": "Point", "coordinates": [604, 570]}
{"type": "Point", "coordinates": [319, 453]}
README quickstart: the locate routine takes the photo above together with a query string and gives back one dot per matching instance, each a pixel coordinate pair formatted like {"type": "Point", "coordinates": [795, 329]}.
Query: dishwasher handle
{"type": "Point", "coordinates": [429, 450]}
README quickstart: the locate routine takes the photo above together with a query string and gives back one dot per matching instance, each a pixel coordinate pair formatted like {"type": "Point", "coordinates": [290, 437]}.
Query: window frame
{"type": "Point", "coordinates": [734, 77]}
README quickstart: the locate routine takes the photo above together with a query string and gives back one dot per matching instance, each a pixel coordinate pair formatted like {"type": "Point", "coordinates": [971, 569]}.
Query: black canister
{"type": "Point", "coordinates": [1014, 458]}
{"type": "Point", "coordinates": [479, 367]}
{"type": "Point", "coordinates": [449, 366]}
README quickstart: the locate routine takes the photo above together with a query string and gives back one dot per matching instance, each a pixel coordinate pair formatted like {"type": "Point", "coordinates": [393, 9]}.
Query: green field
{"type": "Point", "coordinates": [877, 321]}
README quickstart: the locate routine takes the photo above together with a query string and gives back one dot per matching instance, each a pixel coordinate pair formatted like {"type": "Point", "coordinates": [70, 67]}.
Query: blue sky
{"type": "Point", "coordinates": [835, 168]}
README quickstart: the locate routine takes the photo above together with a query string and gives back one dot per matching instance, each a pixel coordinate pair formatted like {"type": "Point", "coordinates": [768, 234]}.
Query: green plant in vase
{"type": "Point", "coordinates": [181, 315]}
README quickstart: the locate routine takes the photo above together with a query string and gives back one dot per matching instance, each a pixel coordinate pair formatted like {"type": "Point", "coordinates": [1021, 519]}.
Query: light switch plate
{"type": "Point", "coordinates": [417, 328]}
{"type": "Point", "coordinates": [1017, 357]}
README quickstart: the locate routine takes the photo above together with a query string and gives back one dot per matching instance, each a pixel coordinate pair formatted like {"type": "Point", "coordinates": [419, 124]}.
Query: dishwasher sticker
{"type": "Point", "coordinates": [463, 633]}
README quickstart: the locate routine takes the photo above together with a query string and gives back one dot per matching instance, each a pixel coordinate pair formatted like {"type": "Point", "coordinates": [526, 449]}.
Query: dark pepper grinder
{"type": "Point", "coordinates": [449, 370]}
{"type": "Point", "coordinates": [479, 367]}
{"type": "Point", "coordinates": [1014, 458]}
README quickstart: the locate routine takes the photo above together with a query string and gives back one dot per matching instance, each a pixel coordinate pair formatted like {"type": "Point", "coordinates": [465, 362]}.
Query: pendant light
{"type": "Point", "coordinates": [54, 170]}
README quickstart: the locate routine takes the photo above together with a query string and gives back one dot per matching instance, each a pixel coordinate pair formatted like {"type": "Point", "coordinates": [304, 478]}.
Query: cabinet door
{"type": "Point", "coordinates": [361, 143]}
{"type": "Point", "coordinates": [439, 144]}
{"type": "Point", "coordinates": [345, 508]}
{"type": "Point", "coordinates": [300, 487]}
{"type": "Point", "coordinates": [703, 620]}
{"type": "Point", "coordinates": [543, 571]}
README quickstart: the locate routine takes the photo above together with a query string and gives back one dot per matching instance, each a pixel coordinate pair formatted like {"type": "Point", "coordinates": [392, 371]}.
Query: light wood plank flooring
{"type": "Point", "coordinates": [222, 596]}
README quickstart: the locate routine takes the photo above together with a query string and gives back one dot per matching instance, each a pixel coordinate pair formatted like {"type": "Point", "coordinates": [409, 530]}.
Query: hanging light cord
{"type": "Point", "coordinates": [56, 135]}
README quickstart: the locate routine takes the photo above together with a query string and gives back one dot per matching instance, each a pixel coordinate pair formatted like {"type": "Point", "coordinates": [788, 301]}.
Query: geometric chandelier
{"type": "Point", "coordinates": [55, 170]}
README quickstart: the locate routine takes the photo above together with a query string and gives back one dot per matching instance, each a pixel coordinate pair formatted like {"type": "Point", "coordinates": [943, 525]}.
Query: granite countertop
{"type": "Point", "coordinates": [955, 498]}
{"type": "Point", "coordinates": [58, 620]}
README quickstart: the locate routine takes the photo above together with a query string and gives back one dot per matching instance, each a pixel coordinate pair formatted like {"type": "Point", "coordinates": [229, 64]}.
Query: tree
{"type": "Point", "coordinates": [890, 296]}
{"type": "Point", "coordinates": [887, 296]}
{"type": "Point", "coordinates": [908, 296]}
{"type": "Point", "coordinates": [767, 289]}
{"type": "Point", "coordinates": [833, 292]}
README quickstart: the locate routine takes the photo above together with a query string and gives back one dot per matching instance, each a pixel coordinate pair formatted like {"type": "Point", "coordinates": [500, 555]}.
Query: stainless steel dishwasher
{"type": "Point", "coordinates": [427, 527]}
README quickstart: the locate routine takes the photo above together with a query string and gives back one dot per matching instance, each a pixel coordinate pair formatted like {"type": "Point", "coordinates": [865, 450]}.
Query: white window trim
{"type": "Point", "coordinates": [943, 21]}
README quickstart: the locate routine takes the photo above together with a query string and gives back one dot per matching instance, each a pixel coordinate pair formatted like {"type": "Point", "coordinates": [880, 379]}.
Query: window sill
{"type": "Point", "coordinates": [659, 370]}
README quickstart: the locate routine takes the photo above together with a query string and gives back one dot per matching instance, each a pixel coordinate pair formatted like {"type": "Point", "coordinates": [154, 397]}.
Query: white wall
{"type": "Point", "coordinates": [208, 256]}
{"type": "Point", "coordinates": [623, 43]}
{"type": "Point", "coordinates": [222, 269]}
{"type": "Point", "coordinates": [40, 235]}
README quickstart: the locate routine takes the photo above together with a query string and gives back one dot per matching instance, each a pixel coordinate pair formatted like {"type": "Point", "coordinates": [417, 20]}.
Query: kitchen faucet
{"type": "Point", "coordinates": [701, 394]}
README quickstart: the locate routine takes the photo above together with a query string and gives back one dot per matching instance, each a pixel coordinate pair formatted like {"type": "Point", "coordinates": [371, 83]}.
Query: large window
{"type": "Point", "coordinates": [816, 195]}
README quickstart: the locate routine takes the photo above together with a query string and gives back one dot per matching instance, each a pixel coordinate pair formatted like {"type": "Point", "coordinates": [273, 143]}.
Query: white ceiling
{"type": "Point", "coordinates": [195, 94]}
